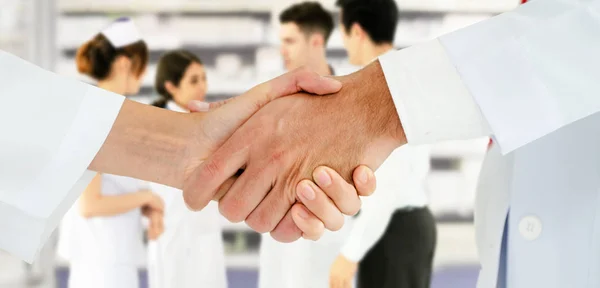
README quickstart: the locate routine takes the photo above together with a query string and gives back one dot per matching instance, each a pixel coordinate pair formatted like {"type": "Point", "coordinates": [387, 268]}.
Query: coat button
{"type": "Point", "coordinates": [530, 227]}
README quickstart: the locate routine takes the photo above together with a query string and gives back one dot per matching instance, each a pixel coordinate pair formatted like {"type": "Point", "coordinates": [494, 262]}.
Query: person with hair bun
{"type": "Point", "coordinates": [106, 226]}
{"type": "Point", "coordinates": [190, 253]}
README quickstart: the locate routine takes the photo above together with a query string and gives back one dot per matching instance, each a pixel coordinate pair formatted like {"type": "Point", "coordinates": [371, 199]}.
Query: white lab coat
{"type": "Point", "coordinates": [301, 264]}
{"type": "Point", "coordinates": [528, 78]}
{"type": "Point", "coordinates": [190, 253]}
{"type": "Point", "coordinates": [105, 252]}
{"type": "Point", "coordinates": [45, 149]}
{"type": "Point", "coordinates": [520, 76]}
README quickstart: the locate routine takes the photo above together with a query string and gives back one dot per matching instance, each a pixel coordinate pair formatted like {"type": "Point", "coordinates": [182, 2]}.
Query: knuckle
{"type": "Point", "coordinates": [213, 168]}
{"type": "Point", "coordinates": [192, 202]}
{"type": "Point", "coordinates": [260, 222]}
{"type": "Point", "coordinates": [337, 225]}
{"type": "Point", "coordinates": [230, 210]}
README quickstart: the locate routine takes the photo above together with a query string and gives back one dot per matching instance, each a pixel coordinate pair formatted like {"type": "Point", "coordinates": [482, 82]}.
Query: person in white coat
{"type": "Point", "coordinates": [392, 243]}
{"type": "Point", "coordinates": [487, 78]}
{"type": "Point", "coordinates": [304, 32]}
{"type": "Point", "coordinates": [105, 233]}
{"type": "Point", "coordinates": [190, 253]}
{"type": "Point", "coordinates": [527, 77]}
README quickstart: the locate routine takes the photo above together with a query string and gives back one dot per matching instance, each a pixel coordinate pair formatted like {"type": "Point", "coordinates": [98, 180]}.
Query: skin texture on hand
{"type": "Point", "coordinates": [342, 272]}
{"type": "Point", "coordinates": [328, 199]}
{"type": "Point", "coordinates": [289, 138]}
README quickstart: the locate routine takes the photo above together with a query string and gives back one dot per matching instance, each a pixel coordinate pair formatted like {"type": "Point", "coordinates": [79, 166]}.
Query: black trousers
{"type": "Point", "coordinates": [403, 257]}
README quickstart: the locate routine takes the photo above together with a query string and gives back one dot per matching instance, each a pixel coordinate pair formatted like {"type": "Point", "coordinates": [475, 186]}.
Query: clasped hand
{"type": "Point", "coordinates": [273, 161]}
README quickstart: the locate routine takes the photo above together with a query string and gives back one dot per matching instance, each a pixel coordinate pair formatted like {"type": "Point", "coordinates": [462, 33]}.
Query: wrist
{"type": "Point", "coordinates": [375, 99]}
{"type": "Point", "coordinates": [147, 143]}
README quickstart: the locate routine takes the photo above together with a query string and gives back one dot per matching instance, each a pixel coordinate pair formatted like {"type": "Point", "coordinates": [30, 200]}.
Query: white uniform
{"type": "Point", "coordinates": [519, 76]}
{"type": "Point", "coordinates": [106, 252]}
{"type": "Point", "coordinates": [301, 264]}
{"type": "Point", "coordinates": [190, 253]}
{"type": "Point", "coordinates": [531, 74]}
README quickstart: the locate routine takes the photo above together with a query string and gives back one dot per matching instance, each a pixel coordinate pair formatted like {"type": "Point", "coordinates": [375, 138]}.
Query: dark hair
{"type": "Point", "coordinates": [171, 67]}
{"type": "Point", "coordinates": [310, 17]}
{"type": "Point", "coordinates": [95, 57]}
{"type": "Point", "coordinates": [378, 18]}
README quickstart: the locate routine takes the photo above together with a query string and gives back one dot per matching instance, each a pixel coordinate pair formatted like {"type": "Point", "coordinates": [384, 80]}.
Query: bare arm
{"type": "Point", "coordinates": [94, 204]}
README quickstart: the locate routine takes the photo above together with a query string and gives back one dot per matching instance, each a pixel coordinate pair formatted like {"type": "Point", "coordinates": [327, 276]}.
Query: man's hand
{"type": "Point", "coordinates": [289, 138]}
{"type": "Point", "coordinates": [342, 272]}
{"type": "Point", "coordinates": [320, 210]}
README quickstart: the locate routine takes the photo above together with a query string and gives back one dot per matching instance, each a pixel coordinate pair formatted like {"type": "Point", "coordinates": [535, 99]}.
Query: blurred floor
{"type": "Point", "coordinates": [456, 264]}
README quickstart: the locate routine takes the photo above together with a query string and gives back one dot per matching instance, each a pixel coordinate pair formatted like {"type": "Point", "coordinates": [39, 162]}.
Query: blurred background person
{"type": "Point", "coordinates": [393, 239]}
{"type": "Point", "coordinates": [305, 29]}
{"type": "Point", "coordinates": [191, 252]}
{"type": "Point", "coordinates": [304, 32]}
{"type": "Point", "coordinates": [106, 235]}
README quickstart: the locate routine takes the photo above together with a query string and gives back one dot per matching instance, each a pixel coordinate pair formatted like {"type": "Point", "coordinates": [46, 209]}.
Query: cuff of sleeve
{"type": "Point", "coordinates": [42, 204]}
{"type": "Point", "coordinates": [432, 101]}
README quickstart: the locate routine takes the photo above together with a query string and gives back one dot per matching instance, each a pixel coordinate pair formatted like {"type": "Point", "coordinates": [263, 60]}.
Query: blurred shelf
{"type": "Point", "coordinates": [138, 6]}
{"type": "Point", "coordinates": [266, 7]}
{"type": "Point", "coordinates": [208, 53]}
{"type": "Point", "coordinates": [458, 6]}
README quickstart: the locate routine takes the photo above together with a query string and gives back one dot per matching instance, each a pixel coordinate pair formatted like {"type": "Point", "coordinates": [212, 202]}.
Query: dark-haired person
{"type": "Point", "coordinates": [392, 241]}
{"type": "Point", "coordinates": [106, 234]}
{"type": "Point", "coordinates": [190, 253]}
{"type": "Point", "coordinates": [304, 32]}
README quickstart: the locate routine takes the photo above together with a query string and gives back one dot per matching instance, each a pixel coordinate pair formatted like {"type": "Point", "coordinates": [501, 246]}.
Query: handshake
{"type": "Point", "coordinates": [290, 156]}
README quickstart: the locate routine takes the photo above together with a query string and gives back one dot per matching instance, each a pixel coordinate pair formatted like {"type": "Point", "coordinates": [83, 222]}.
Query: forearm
{"type": "Point", "coordinates": [112, 205]}
{"type": "Point", "coordinates": [147, 143]}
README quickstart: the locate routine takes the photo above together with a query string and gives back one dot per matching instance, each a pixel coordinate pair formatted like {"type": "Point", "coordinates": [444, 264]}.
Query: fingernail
{"type": "Point", "coordinates": [303, 213]}
{"type": "Point", "coordinates": [306, 192]}
{"type": "Point", "coordinates": [363, 177]}
{"type": "Point", "coordinates": [199, 106]}
{"type": "Point", "coordinates": [323, 179]}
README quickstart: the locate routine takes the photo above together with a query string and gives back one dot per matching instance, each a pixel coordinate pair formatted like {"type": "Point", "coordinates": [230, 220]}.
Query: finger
{"type": "Point", "coordinates": [201, 106]}
{"type": "Point", "coordinates": [301, 79]}
{"type": "Point", "coordinates": [225, 187]}
{"type": "Point", "coordinates": [204, 182]}
{"type": "Point", "coordinates": [320, 205]}
{"type": "Point", "coordinates": [246, 194]}
{"type": "Point", "coordinates": [312, 228]}
{"type": "Point", "coordinates": [342, 193]}
{"type": "Point", "coordinates": [364, 180]}
{"type": "Point", "coordinates": [286, 231]}
{"type": "Point", "coordinates": [271, 210]}
{"type": "Point", "coordinates": [234, 112]}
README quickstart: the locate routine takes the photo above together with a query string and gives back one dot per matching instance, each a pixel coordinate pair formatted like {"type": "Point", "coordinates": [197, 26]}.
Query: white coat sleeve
{"type": "Point", "coordinates": [519, 76]}
{"type": "Point", "coordinates": [51, 129]}
{"type": "Point", "coordinates": [400, 184]}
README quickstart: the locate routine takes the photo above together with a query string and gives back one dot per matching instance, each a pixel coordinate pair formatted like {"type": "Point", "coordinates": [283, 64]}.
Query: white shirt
{"type": "Point", "coordinates": [400, 184]}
